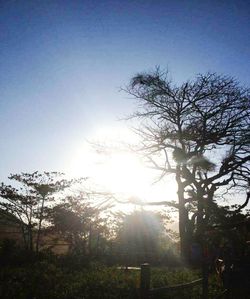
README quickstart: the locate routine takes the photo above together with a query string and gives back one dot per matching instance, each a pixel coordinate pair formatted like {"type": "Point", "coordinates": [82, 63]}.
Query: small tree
{"type": "Point", "coordinates": [141, 236]}
{"type": "Point", "coordinates": [80, 223]}
{"type": "Point", "coordinates": [28, 203]}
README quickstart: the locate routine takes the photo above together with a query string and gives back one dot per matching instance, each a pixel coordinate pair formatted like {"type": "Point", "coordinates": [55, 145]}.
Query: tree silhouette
{"type": "Point", "coordinates": [79, 222]}
{"type": "Point", "coordinates": [199, 132]}
{"type": "Point", "coordinates": [141, 236]}
{"type": "Point", "coordinates": [28, 203]}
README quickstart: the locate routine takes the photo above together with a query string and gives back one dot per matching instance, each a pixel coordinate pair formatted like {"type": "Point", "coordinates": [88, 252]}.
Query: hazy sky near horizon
{"type": "Point", "coordinates": [62, 63]}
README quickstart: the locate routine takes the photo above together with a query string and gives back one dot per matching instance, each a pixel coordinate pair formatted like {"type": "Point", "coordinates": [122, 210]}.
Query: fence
{"type": "Point", "coordinates": [165, 292]}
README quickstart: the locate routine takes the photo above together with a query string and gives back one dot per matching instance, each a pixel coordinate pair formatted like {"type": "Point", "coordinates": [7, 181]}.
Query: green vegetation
{"type": "Point", "coordinates": [43, 279]}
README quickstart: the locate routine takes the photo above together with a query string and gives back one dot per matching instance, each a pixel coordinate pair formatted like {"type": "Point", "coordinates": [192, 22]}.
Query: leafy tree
{"type": "Point", "coordinates": [142, 237]}
{"type": "Point", "coordinates": [226, 226]}
{"type": "Point", "coordinates": [81, 223]}
{"type": "Point", "coordinates": [199, 132]}
{"type": "Point", "coordinates": [28, 203]}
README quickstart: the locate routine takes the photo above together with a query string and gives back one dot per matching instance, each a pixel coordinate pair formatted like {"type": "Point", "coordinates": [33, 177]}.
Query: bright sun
{"type": "Point", "coordinates": [125, 173]}
{"type": "Point", "coordinates": [120, 172]}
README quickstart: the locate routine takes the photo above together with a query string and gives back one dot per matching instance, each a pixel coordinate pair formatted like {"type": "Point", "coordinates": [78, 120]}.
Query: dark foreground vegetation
{"type": "Point", "coordinates": [70, 278]}
{"type": "Point", "coordinates": [26, 275]}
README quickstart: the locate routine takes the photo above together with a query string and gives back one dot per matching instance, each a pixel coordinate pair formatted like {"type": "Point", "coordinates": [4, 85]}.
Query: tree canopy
{"type": "Point", "coordinates": [29, 201]}
{"type": "Point", "coordinates": [199, 132]}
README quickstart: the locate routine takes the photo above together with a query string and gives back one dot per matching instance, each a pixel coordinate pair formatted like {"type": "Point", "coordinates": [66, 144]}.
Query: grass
{"type": "Point", "coordinates": [44, 280]}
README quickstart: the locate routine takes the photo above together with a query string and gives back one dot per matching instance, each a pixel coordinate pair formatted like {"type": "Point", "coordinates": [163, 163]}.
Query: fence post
{"type": "Point", "coordinates": [145, 281]}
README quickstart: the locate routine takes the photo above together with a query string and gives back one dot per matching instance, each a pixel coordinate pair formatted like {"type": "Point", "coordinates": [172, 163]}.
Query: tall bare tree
{"type": "Point", "coordinates": [199, 132]}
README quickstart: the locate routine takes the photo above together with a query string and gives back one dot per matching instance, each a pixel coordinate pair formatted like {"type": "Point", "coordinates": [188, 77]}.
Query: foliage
{"type": "Point", "coordinates": [44, 279]}
{"type": "Point", "coordinates": [227, 228]}
{"type": "Point", "coordinates": [28, 203]}
{"type": "Point", "coordinates": [81, 223]}
{"type": "Point", "coordinates": [142, 237]}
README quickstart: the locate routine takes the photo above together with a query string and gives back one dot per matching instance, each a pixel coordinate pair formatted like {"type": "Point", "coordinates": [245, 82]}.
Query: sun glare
{"type": "Point", "coordinates": [120, 171]}
{"type": "Point", "coordinates": [124, 172]}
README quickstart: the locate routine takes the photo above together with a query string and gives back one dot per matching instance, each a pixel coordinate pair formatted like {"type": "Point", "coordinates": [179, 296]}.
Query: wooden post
{"type": "Point", "coordinates": [145, 281]}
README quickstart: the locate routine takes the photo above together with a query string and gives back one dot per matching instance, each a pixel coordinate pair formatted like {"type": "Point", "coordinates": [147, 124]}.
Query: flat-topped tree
{"type": "Point", "coordinates": [28, 203]}
{"type": "Point", "coordinates": [201, 131]}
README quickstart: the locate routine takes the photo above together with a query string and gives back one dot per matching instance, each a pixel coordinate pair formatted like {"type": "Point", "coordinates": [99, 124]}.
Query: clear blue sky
{"type": "Point", "coordinates": [62, 63]}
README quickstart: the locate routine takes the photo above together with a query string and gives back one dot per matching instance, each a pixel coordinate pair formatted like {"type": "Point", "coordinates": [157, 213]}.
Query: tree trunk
{"type": "Point", "coordinates": [90, 239]}
{"type": "Point", "coordinates": [30, 234]}
{"type": "Point", "coordinates": [184, 243]}
{"type": "Point", "coordinates": [25, 241]}
{"type": "Point", "coordinates": [201, 238]}
{"type": "Point", "coordinates": [40, 225]}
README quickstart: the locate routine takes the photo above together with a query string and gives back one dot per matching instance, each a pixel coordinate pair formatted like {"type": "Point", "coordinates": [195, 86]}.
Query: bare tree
{"type": "Point", "coordinates": [200, 133]}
